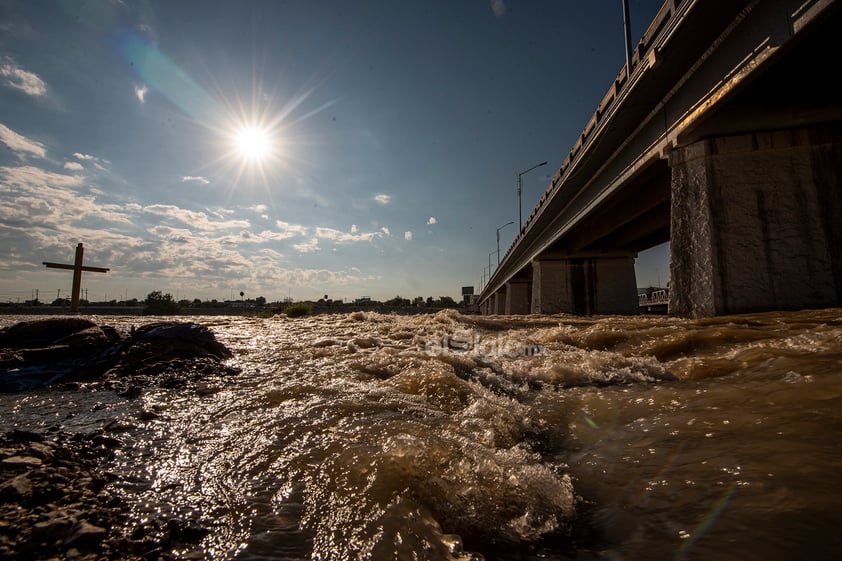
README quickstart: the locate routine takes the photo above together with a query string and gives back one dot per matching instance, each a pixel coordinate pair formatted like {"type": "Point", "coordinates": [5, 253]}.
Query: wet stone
{"type": "Point", "coordinates": [41, 450]}
{"type": "Point", "coordinates": [38, 353]}
{"type": "Point", "coordinates": [86, 533]}
{"type": "Point", "coordinates": [17, 487]}
{"type": "Point", "coordinates": [55, 528]}
{"type": "Point", "coordinates": [21, 462]}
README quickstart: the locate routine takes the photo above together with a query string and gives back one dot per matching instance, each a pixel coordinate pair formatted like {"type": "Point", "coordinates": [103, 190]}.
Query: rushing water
{"type": "Point", "coordinates": [367, 436]}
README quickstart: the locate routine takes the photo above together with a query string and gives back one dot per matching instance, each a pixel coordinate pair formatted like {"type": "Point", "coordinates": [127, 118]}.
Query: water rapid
{"type": "Point", "coordinates": [457, 437]}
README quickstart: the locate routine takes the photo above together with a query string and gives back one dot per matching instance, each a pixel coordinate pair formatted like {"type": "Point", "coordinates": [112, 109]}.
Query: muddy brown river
{"type": "Point", "coordinates": [448, 436]}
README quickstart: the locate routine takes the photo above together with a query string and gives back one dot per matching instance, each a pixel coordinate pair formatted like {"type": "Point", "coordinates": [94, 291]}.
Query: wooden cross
{"type": "Point", "coordinates": [77, 269]}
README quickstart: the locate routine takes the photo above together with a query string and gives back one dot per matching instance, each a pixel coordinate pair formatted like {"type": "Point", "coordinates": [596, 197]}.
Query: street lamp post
{"type": "Point", "coordinates": [627, 31]}
{"type": "Point", "coordinates": [519, 213]}
{"type": "Point", "coordinates": [498, 240]}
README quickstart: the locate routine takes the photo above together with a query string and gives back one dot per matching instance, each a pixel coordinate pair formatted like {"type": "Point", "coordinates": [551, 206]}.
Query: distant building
{"type": "Point", "coordinates": [467, 295]}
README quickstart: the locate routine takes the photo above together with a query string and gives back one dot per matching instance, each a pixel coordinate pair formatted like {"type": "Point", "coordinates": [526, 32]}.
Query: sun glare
{"type": "Point", "coordinates": [253, 143]}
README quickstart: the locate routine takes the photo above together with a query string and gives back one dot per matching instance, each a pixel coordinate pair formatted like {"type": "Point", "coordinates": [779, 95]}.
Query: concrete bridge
{"type": "Point", "coordinates": [725, 139]}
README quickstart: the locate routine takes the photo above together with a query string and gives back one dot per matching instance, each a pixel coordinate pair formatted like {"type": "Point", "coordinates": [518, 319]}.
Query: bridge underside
{"type": "Point", "coordinates": [747, 190]}
{"type": "Point", "coordinates": [756, 193]}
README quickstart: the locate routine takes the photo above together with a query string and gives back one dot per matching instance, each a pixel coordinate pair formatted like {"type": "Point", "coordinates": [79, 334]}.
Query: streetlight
{"type": "Point", "coordinates": [627, 32]}
{"type": "Point", "coordinates": [498, 240]}
{"type": "Point", "coordinates": [489, 264]}
{"type": "Point", "coordinates": [519, 213]}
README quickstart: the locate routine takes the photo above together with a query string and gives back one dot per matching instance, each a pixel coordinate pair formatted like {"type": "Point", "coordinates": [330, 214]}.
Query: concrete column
{"type": "Point", "coordinates": [552, 292]}
{"type": "Point", "coordinates": [499, 304]}
{"type": "Point", "coordinates": [584, 285]}
{"type": "Point", "coordinates": [517, 297]}
{"type": "Point", "coordinates": [755, 223]}
{"type": "Point", "coordinates": [615, 284]}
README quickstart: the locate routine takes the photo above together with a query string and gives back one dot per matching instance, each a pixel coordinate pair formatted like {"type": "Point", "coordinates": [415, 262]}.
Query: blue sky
{"type": "Point", "coordinates": [388, 138]}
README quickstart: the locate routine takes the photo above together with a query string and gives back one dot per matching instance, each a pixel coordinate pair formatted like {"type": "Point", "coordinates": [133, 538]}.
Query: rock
{"type": "Point", "coordinates": [63, 508]}
{"type": "Point", "coordinates": [19, 435]}
{"type": "Point", "coordinates": [54, 528]}
{"type": "Point", "coordinates": [93, 336]}
{"type": "Point", "coordinates": [106, 441]}
{"type": "Point", "coordinates": [21, 461]}
{"type": "Point", "coordinates": [181, 334]}
{"type": "Point", "coordinates": [17, 488]}
{"type": "Point", "coordinates": [41, 333]}
{"type": "Point", "coordinates": [147, 415]}
{"type": "Point", "coordinates": [41, 450]}
{"type": "Point", "coordinates": [39, 353]}
{"type": "Point", "coordinates": [86, 534]}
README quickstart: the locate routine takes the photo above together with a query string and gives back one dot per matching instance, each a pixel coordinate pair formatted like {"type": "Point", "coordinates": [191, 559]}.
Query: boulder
{"type": "Point", "coordinates": [41, 333]}
{"type": "Point", "coordinates": [39, 353]}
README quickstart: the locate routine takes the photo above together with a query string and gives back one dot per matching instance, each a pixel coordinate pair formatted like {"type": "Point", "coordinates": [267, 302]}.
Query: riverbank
{"type": "Point", "coordinates": [56, 502]}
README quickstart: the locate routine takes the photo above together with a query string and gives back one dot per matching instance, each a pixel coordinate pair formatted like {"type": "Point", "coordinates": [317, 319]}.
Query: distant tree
{"type": "Point", "coordinates": [160, 304]}
{"type": "Point", "coordinates": [298, 310]}
{"type": "Point", "coordinates": [397, 301]}
{"type": "Point", "coordinates": [447, 302]}
{"type": "Point", "coordinates": [260, 301]}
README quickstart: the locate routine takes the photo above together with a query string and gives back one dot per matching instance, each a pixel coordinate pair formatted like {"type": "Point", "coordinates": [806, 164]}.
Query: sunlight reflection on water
{"type": "Point", "coordinates": [367, 436]}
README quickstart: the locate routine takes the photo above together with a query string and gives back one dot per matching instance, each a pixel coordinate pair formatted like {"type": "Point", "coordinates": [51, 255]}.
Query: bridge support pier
{"type": "Point", "coordinates": [584, 285]}
{"type": "Point", "coordinates": [498, 302]}
{"type": "Point", "coordinates": [517, 297]}
{"type": "Point", "coordinates": [755, 223]}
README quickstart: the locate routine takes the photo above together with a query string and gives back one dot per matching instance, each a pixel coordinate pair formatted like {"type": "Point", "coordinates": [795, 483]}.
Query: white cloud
{"type": "Point", "coordinates": [265, 236]}
{"type": "Point", "coordinates": [407, 236]}
{"type": "Point", "coordinates": [260, 209]}
{"type": "Point", "coordinates": [307, 247]}
{"type": "Point", "coordinates": [42, 202]}
{"type": "Point", "coordinates": [97, 162]}
{"type": "Point", "coordinates": [140, 92]}
{"type": "Point", "coordinates": [291, 228]}
{"type": "Point", "coordinates": [354, 228]}
{"type": "Point", "coordinates": [31, 177]}
{"type": "Point", "coordinates": [383, 199]}
{"type": "Point", "coordinates": [24, 80]}
{"type": "Point", "coordinates": [193, 218]}
{"type": "Point", "coordinates": [342, 237]}
{"type": "Point", "coordinates": [268, 235]}
{"type": "Point", "coordinates": [386, 231]}
{"type": "Point", "coordinates": [432, 220]}
{"type": "Point", "coordinates": [194, 179]}
{"type": "Point", "coordinates": [73, 166]}
{"type": "Point", "coordinates": [20, 144]}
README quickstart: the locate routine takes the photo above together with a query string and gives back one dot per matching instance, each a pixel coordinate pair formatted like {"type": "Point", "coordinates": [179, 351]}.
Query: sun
{"type": "Point", "coordinates": [253, 143]}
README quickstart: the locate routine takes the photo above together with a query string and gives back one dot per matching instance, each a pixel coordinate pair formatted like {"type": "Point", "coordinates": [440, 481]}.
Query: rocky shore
{"type": "Point", "coordinates": [58, 500]}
